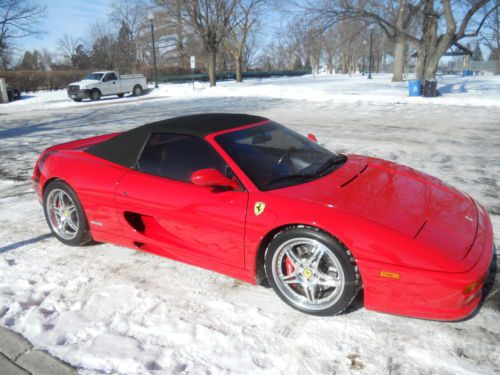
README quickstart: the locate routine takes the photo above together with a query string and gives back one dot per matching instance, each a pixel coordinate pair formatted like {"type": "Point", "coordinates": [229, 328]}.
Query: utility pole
{"type": "Point", "coordinates": [151, 17]}
{"type": "Point", "coordinates": [371, 55]}
{"type": "Point", "coordinates": [364, 53]}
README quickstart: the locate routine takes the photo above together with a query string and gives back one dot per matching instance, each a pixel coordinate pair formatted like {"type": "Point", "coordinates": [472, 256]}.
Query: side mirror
{"type": "Point", "coordinates": [312, 137]}
{"type": "Point", "coordinates": [212, 178]}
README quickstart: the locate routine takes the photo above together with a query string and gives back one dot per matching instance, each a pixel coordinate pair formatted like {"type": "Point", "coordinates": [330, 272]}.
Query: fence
{"type": "Point", "coordinates": [31, 80]}
{"type": "Point", "coordinates": [228, 76]}
{"type": "Point", "coordinates": [451, 67]}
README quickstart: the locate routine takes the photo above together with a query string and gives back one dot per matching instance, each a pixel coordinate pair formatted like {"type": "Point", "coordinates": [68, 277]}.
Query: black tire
{"type": "Point", "coordinates": [137, 91]}
{"type": "Point", "coordinates": [95, 94]}
{"type": "Point", "coordinates": [120, 95]}
{"type": "Point", "coordinates": [338, 250]}
{"type": "Point", "coordinates": [77, 100]}
{"type": "Point", "coordinates": [82, 234]}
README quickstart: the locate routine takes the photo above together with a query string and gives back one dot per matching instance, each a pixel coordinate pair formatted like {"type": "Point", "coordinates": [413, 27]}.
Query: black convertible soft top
{"type": "Point", "coordinates": [124, 149]}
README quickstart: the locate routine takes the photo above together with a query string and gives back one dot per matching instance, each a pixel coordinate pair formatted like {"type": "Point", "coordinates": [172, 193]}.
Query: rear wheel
{"type": "Point", "coordinates": [77, 100]}
{"type": "Point", "coordinates": [137, 90]}
{"type": "Point", "coordinates": [311, 271]}
{"type": "Point", "coordinates": [64, 214]}
{"type": "Point", "coordinates": [95, 94]}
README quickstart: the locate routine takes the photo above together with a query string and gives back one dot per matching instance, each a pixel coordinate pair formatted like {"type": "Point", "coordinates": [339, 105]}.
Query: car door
{"type": "Point", "coordinates": [163, 212]}
{"type": "Point", "coordinates": [110, 84]}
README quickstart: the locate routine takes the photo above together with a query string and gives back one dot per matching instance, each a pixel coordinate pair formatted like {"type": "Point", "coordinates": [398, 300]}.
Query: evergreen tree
{"type": "Point", "coordinates": [477, 55]}
{"type": "Point", "coordinates": [307, 65]}
{"type": "Point", "coordinates": [81, 59]}
{"type": "Point", "coordinates": [31, 61]}
{"type": "Point", "coordinates": [102, 53]}
{"type": "Point", "coordinates": [125, 51]}
{"type": "Point", "coordinates": [26, 62]}
{"type": "Point", "coordinates": [297, 65]}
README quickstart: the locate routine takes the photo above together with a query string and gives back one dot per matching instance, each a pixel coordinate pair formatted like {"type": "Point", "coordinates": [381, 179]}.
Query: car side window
{"type": "Point", "coordinates": [177, 156]}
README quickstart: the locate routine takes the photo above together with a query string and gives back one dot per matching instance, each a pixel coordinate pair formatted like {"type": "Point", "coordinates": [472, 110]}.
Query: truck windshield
{"type": "Point", "coordinates": [274, 156]}
{"type": "Point", "coordinates": [94, 76]}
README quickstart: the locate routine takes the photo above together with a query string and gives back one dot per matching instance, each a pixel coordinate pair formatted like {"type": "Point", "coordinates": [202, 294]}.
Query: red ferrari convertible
{"type": "Point", "coordinates": [250, 198]}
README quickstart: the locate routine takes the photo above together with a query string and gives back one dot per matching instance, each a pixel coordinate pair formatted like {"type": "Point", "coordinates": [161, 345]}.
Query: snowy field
{"type": "Point", "coordinates": [111, 310]}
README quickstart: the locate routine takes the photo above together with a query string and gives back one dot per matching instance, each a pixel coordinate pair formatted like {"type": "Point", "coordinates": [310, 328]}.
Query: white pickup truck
{"type": "Point", "coordinates": [98, 84]}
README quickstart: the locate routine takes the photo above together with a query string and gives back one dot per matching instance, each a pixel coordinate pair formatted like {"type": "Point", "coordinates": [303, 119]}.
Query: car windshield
{"type": "Point", "coordinates": [94, 76]}
{"type": "Point", "coordinates": [274, 156]}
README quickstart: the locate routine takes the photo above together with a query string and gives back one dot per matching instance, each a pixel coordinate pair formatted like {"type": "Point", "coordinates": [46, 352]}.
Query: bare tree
{"type": "Point", "coordinates": [250, 53]}
{"type": "Point", "coordinates": [99, 48]}
{"type": "Point", "coordinates": [67, 45]}
{"type": "Point", "coordinates": [245, 18]}
{"type": "Point", "coordinates": [132, 15]}
{"type": "Point", "coordinates": [438, 29]}
{"type": "Point", "coordinates": [46, 59]}
{"type": "Point", "coordinates": [490, 35]}
{"type": "Point", "coordinates": [18, 19]}
{"type": "Point", "coordinates": [329, 42]}
{"type": "Point", "coordinates": [351, 34]}
{"type": "Point", "coordinates": [211, 20]}
{"type": "Point", "coordinates": [173, 32]}
{"type": "Point", "coordinates": [313, 48]}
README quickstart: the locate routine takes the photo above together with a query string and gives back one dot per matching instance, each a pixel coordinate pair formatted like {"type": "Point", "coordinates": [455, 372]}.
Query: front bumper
{"type": "Point", "coordinates": [430, 294]}
{"type": "Point", "coordinates": [78, 94]}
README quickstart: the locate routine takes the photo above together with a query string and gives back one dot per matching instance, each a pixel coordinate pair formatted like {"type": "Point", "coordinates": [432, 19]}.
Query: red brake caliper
{"type": "Point", "coordinates": [289, 266]}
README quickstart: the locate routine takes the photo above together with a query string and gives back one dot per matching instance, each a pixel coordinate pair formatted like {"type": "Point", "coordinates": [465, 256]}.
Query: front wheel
{"type": "Point", "coordinates": [311, 271]}
{"type": "Point", "coordinates": [64, 214]}
{"type": "Point", "coordinates": [95, 94]}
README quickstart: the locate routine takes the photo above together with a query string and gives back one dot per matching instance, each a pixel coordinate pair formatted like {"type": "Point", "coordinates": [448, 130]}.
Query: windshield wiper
{"type": "Point", "coordinates": [299, 176]}
{"type": "Point", "coordinates": [330, 162]}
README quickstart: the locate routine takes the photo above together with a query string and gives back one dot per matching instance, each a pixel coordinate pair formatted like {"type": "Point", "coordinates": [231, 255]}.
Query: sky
{"type": "Point", "coordinates": [66, 16]}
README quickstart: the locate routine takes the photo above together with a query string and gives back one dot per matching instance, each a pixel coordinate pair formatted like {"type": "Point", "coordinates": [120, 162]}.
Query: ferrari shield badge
{"type": "Point", "coordinates": [259, 208]}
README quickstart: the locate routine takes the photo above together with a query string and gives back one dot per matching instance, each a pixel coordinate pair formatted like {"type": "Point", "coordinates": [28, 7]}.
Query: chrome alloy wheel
{"type": "Point", "coordinates": [62, 214]}
{"type": "Point", "coordinates": [308, 273]}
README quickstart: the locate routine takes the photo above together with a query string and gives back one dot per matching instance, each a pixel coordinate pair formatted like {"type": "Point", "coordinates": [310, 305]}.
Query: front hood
{"type": "Point", "coordinates": [84, 82]}
{"type": "Point", "coordinates": [412, 203]}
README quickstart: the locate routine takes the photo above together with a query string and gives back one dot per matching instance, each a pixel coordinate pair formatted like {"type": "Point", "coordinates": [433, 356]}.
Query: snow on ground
{"type": "Point", "coordinates": [457, 91]}
{"type": "Point", "coordinates": [107, 309]}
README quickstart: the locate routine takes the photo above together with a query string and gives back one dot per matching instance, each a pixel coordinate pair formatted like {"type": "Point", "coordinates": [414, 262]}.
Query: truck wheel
{"type": "Point", "coordinates": [95, 94]}
{"type": "Point", "coordinates": [120, 95]}
{"type": "Point", "coordinates": [137, 90]}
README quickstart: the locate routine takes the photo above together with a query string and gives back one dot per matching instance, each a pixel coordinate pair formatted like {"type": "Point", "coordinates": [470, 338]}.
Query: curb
{"type": "Point", "coordinates": [18, 357]}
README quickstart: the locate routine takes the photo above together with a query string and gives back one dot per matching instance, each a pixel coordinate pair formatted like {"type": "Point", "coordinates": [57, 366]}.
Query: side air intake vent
{"type": "Point", "coordinates": [354, 177]}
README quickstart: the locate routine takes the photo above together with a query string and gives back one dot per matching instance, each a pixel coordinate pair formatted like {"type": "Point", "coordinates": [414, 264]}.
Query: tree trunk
{"type": "Point", "coordinates": [239, 68]}
{"type": "Point", "coordinates": [329, 67]}
{"type": "Point", "coordinates": [427, 64]}
{"type": "Point", "coordinates": [399, 49]}
{"type": "Point", "coordinates": [427, 59]}
{"type": "Point", "coordinates": [345, 66]}
{"type": "Point", "coordinates": [399, 61]}
{"type": "Point", "coordinates": [212, 62]}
